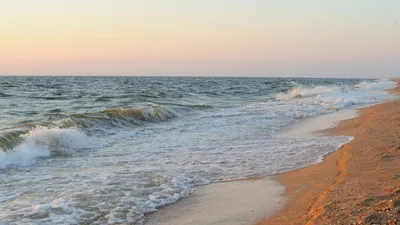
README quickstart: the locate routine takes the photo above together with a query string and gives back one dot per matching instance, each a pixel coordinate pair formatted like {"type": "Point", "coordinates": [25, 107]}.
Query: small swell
{"type": "Point", "coordinates": [146, 113]}
{"type": "Point", "coordinates": [114, 118]}
{"type": "Point", "coordinates": [102, 99]}
{"type": "Point", "coordinates": [4, 95]}
{"type": "Point", "coordinates": [299, 92]}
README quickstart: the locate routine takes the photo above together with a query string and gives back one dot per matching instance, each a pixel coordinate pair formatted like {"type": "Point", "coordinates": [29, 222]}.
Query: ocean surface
{"type": "Point", "coordinates": [107, 150]}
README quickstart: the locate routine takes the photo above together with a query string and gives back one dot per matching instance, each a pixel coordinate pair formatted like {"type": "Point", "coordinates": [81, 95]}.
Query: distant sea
{"type": "Point", "coordinates": [107, 150]}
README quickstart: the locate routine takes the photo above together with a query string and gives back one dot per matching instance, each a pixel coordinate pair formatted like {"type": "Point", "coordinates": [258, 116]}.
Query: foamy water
{"type": "Point", "coordinates": [73, 155]}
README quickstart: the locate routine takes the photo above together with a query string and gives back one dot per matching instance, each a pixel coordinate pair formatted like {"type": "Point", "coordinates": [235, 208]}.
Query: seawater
{"type": "Point", "coordinates": [107, 150]}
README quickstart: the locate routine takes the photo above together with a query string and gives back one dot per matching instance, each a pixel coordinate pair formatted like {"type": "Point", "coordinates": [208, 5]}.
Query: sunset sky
{"type": "Point", "coordinates": [342, 38]}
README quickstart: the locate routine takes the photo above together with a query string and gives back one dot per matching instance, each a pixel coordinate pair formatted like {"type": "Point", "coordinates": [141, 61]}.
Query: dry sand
{"type": "Point", "coordinates": [358, 184]}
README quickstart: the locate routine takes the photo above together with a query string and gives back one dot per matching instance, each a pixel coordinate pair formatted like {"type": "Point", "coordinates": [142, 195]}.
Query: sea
{"type": "Point", "coordinates": [109, 150]}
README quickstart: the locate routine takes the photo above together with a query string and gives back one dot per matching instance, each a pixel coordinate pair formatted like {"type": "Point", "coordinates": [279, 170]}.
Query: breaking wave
{"type": "Point", "coordinates": [42, 142]}
{"type": "Point", "coordinates": [377, 85]}
{"type": "Point", "coordinates": [304, 92]}
{"type": "Point", "coordinates": [299, 92]}
{"type": "Point", "coordinates": [61, 135]}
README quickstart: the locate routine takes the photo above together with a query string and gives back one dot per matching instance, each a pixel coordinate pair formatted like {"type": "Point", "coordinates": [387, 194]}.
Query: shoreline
{"type": "Point", "coordinates": [243, 201]}
{"type": "Point", "coordinates": [356, 184]}
{"type": "Point", "coordinates": [300, 200]}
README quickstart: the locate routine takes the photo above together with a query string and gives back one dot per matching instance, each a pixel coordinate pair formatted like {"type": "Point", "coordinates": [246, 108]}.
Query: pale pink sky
{"type": "Point", "coordinates": [193, 38]}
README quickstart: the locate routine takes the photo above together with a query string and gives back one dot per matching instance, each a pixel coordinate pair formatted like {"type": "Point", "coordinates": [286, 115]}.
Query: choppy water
{"type": "Point", "coordinates": [97, 150]}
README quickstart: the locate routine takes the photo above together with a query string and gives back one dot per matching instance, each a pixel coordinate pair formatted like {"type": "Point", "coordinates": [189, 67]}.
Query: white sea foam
{"type": "Point", "coordinates": [43, 142]}
{"type": "Point", "coordinates": [299, 92]}
{"type": "Point", "coordinates": [340, 91]}
{"type": "Point", "coordinates": [381, 84]}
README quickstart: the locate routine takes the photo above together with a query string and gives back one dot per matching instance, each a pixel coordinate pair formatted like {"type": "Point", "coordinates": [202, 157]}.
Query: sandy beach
{"type": "Point", "coordinates": [357, 184]}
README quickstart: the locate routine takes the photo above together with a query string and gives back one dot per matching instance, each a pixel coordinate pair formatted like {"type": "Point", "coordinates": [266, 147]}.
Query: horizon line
{"type": "Point", "coordinates": [200, 76]}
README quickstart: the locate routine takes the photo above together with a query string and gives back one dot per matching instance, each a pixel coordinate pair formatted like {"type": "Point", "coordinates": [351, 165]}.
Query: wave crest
{"type": "Point", "coordinates": [22, 144]}
{"type": "Point", "coordinates": [375, 85]}
{"type": "Point", "coordinates": [299, 92]}
{"type": "Point", "coordinates": [42, 142]}
{"type": "Point", "coordinates": [146, 113]}
{"type": "Point", "coordinates": [112, 118]}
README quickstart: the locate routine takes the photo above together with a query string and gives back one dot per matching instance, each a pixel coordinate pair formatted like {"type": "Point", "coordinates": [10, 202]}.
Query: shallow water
{"type": "Point", "coordinates": [102, 150]}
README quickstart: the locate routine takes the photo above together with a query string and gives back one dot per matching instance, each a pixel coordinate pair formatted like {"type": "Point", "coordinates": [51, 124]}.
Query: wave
{"type": "Point", "coordinates": [10, 139]}
{"type": "Point", "coordinates": [102, 99]}
{"type": "Point", "coordinates": [146, 113]}
{"type": "Point", "coordinates": [112, 118]}
{"type": "Point", "coordinates": [299, 92]}
{"type": "Point", "coordinates": [42, 142]}
{"type": "Point", "coordinates": [4, 95]}
{"type": "Point", "coordinates": [7, 84]}
{"type": "Point", "coordinates": [51, 97]}
{"type": "Point", "coordinates": [376, 85]}
{"type": "Point", "coordinates": [193, 106]}
{"type": "Point", "coordinates": [55, 132]}
{"type": "Point", "coordinates": [302, 92]}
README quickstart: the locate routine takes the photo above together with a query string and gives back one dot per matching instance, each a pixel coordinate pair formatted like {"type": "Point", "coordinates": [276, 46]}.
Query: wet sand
{"type": "Point", "coordinates": [357, 184]}
{"type": "Point", "coordinates": [315, 126]}
{"type": "Point", "coordinates": [226, 203]}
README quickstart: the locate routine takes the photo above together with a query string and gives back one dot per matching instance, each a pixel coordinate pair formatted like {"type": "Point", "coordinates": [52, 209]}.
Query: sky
{"type": "Point", "coordinates": [312, 38]}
